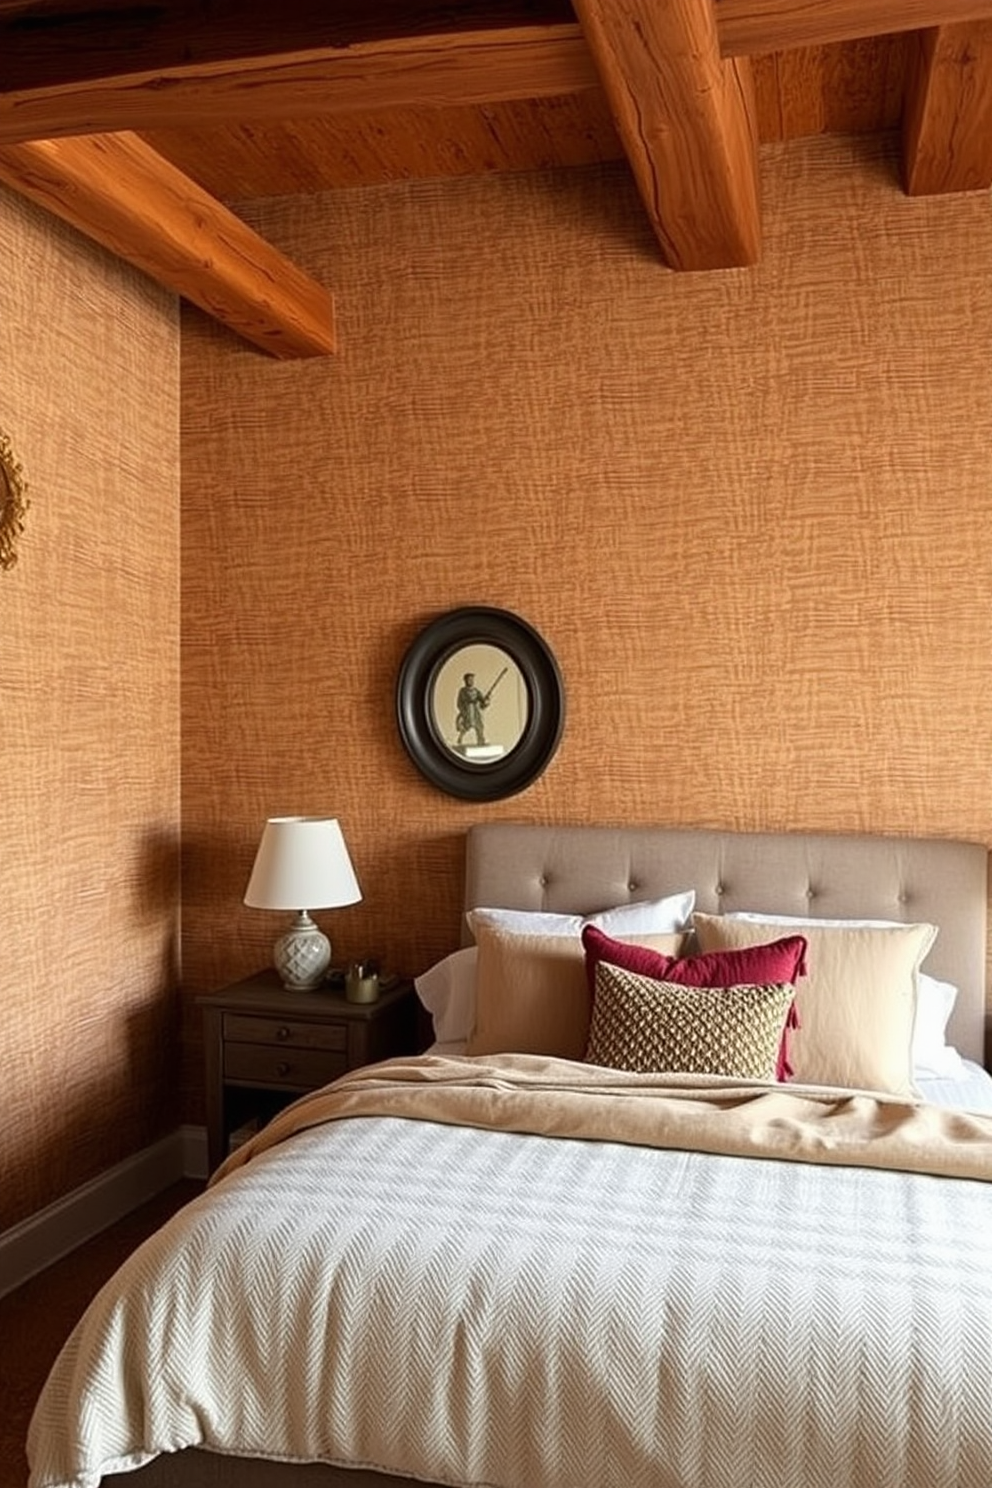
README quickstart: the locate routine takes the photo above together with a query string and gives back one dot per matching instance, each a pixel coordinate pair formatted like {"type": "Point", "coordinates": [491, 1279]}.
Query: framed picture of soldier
{"type": "Point", "coordinates": [480, 703]}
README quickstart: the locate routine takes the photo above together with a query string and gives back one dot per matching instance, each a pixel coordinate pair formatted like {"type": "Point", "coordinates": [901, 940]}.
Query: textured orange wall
{"type": "Point", "coordinates": [750, 511]}
{"type": "Point", "coordinates": [89, 713]}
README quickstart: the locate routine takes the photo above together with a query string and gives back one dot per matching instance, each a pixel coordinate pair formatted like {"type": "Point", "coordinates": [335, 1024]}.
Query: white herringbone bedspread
{"type": "Point", "coordinates": [480, 1307]}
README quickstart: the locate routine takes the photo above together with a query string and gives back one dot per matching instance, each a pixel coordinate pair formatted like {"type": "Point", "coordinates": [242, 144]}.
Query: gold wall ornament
{"type": "Point", "coordinates": [13, 502]}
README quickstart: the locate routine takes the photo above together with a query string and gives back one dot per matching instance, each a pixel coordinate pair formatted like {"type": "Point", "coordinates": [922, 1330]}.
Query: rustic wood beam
{"type": "Point", "coordinates": [947, 114]}
{"type": "Point", "coordinates": [158, 77]}
{"type": "Point", "coordinates": [752, 27]}
{"type": "Point", "coordinates": [687, 122]}
{"type": "Point", "coordinates": [90, 38]}
{"type": "Point", "coordinates": [117, 190]}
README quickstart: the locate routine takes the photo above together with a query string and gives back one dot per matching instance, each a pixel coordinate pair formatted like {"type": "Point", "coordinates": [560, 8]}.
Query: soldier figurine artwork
{"type": "Point", "coordinates": [471, 703]}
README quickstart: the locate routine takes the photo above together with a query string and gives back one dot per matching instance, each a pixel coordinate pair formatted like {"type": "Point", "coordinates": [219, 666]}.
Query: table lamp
{"type": "Point", "coordinates": [302, 863]}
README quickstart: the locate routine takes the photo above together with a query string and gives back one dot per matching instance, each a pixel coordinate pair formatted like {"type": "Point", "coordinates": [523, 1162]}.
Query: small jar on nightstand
{"type": "Point", "coordinates": [265, 1046]}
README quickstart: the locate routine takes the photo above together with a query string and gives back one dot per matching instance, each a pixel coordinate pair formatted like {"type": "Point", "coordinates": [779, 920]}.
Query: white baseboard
{"type": "Point", "coordinates": [52, 1233]}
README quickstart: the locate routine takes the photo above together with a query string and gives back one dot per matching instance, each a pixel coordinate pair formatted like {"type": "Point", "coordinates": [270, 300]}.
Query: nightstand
{"type": "Point", "coordinates": [266, 1046]}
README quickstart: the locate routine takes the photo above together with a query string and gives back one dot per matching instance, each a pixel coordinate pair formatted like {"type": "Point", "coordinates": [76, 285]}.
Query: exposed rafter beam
{"type": "Point", "coordinates": [92, 37]}
{"type": "Point", "coordinates": [752, 27]}
{"type": "Point", "coordinates": [117, 190]}
{"type": "Point", "coordinates": [676, 73]}
{"type": "Point", "coordinates": [947, 116]}
{"type": "Point", "coordinates": [75, 66]}
{"type": "Point", "coordinates": [687, 122]}
{"type": "Point", "coordinates": [442, 70]}
{"type": "Point", "coordinates": [177, 73]}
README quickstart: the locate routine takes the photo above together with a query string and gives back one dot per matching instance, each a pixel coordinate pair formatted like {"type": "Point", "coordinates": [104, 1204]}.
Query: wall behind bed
{"type": "Point", "coordinates": [751, 512]}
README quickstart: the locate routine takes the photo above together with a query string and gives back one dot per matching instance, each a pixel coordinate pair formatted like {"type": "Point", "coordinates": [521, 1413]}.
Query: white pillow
{"type": "Point", "coordinates": [643, 917]}
{"type": "Point", "coordinates": [781, 919]}
{"type": "Point", "coordinates": [932, 1055]}
{"type": "Point", "coordinates": [447, 989]}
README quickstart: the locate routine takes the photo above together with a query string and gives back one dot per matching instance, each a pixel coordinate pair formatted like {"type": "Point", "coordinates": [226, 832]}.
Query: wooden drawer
{"type": "Point", "coordinates": [263, 1064]}
{"type": "Point", "coordinates": [266, 1046]}
{"type": "Point", "coordinates": [242, 1029]}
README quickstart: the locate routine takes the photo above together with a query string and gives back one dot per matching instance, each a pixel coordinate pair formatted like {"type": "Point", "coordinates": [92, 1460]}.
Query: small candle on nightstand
{"type": "Point", "coordinates": [361, 983]}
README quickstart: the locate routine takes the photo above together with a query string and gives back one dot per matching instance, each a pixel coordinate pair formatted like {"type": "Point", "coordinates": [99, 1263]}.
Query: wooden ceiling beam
{"type": "Point", "coordinates": [69, 40]}
{"type": "Point", "coordinates": [753, 27]}
{"type": "Point", "coordinates": [687, 121]}
{"type": "Point", "coordinates": [117, 190]}
{"type": "Point", "coordinates": [71, 67]}
{"type": "Point", "coordinates": [947, 114]}
{"type": "Point", "coordinates": [170, 79]}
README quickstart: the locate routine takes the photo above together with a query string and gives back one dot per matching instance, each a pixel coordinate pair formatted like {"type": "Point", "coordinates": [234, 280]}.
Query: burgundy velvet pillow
{"type": "Point", "coordinates": [779, 961]}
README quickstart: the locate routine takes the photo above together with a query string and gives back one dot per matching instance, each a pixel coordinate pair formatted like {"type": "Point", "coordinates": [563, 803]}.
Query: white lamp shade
{"type": "Point", "coordinates": [302, 863]}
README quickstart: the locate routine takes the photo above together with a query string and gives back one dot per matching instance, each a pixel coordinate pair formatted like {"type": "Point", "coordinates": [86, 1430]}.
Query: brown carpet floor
{"type": "Point", "coordinates": [36, 1319]}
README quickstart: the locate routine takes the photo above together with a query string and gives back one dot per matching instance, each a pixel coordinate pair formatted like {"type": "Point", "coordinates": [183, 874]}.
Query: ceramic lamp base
{"type": "Point", "coordinates": [302, 956]}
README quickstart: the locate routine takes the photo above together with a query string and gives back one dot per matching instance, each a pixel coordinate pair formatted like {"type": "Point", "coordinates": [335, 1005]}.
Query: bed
{"type": "Point", "coordinates": [523, 1270]}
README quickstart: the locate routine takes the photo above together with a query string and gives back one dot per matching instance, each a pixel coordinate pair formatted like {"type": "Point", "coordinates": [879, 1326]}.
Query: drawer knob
{"type": "Point", "coordinates": [282, 1068]}
{"type": "Point", "coordinates": [283, 1032]}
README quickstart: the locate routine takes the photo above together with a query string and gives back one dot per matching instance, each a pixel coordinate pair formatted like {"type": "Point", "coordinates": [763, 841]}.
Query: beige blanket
{"type": "Point", "coordinates": [559, 1098]}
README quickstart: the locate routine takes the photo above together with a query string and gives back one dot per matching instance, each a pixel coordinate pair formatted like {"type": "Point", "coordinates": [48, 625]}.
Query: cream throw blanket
{"type": "Point", "coordinates": [559, 1098]}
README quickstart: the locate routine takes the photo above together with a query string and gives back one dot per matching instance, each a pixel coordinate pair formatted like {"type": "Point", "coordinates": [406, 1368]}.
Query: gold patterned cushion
{"type": "Point", "coordinates": [640, 1023]}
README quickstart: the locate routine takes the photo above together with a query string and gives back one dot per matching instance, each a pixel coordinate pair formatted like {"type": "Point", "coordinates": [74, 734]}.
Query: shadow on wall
{"type": "Point", "coordinates": [157, 890]}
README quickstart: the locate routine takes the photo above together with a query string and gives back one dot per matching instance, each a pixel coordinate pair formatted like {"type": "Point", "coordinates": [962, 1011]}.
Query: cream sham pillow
{"type": "Point", "coordinates": [856, 1004]}
{"type": "Point", "coordinates": [932, 1054]}
{"type": "Point", "coordinates": [447, 989]}
{"type": "Point", "coordinates": [532, 992]}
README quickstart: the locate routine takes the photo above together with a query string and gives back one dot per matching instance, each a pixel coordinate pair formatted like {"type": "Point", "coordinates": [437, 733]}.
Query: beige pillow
{"type": "Point", "coordinates": [856, 1004]}
{"type": "Point", "coordinates": [642, 1023]}
{"type": "Point", "coordinates": [532, 993]}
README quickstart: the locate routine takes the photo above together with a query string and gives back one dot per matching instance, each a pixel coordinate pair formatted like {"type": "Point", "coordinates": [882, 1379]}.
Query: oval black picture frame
{"type": "Point", "coordinates": [436, 644]}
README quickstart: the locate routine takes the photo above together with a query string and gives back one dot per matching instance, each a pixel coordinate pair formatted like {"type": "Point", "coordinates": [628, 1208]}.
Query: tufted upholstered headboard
{"type": "Point", "coordinates": [576, 869]}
